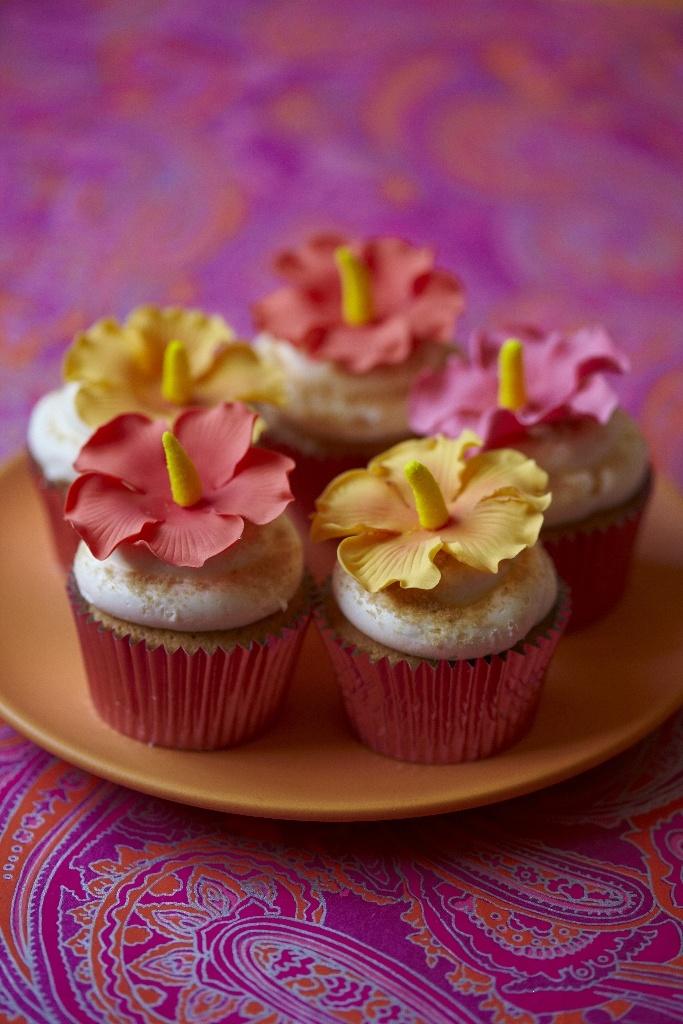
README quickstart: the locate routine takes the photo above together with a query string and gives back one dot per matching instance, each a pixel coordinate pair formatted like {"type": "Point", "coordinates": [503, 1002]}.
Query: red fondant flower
{"type": "Point", "coordinates": [406, 301]}
{"type": "Point", "coordinates": [185, 496]}
{"type": "Point", "coordinates": [560, 378]}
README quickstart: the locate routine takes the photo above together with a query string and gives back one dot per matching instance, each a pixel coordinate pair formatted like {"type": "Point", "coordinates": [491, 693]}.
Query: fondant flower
{"type": "Point", "coordinates": [161, 360]}
{"type": "Point", "coordinates": [514, 383]}
{"type": "Point", "coordinates": [185, 495]}
{"type": "Point", "coordinates": [423, 497]}
{"type": "Point", "coordinates": [361, 304]}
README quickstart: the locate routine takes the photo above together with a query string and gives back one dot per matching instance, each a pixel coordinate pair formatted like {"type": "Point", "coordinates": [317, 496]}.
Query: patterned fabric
{"type": "Point", "coordinates": [558, 908]}
{"type": "Point", "coordinates": [159, 153]}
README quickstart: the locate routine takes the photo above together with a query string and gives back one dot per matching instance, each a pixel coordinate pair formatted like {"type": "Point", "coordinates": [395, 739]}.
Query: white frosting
{"type": "Point", "coordinates": [255, 578]}
{"type": "Point", "coordinates": [591, 466]}
{"type": "Point", "coordinates": [56, 434]}
{"type": "Point", "coordinates": [469, 615]}
{"type": "Point", "coordinates": [326, 402]}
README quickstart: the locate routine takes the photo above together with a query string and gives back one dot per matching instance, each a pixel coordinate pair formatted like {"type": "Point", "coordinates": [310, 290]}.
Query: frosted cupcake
{"type": "Point", "coordinates": [187, 588]}
{"type": "Point", "coordinates": [353, 325]}
{"type": "Point", "coordinates": [443, 612]}
{"type": "Point", "coordinates": [546, 394]}
{"type": "Point", "coordinates": [157, 363]}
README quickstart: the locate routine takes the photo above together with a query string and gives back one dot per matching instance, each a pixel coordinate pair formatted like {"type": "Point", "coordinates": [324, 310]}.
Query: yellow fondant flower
{"type": "Point", "coordinates": [422, 497]}
{"type": "Point", "coordinates": [162, 360]}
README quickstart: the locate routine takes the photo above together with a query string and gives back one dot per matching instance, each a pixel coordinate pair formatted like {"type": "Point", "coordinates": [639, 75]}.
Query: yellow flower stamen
{"type": "Point", "coordinates": [431, 508]}
{"type": "Point", "coordinates": [511, 388]}
{"type": "Point", "coordinates": [354, 274]}
{"type": "Point", "coordinates": [186, 487]}
{"type": "Point", "coordinates": [176, 383]}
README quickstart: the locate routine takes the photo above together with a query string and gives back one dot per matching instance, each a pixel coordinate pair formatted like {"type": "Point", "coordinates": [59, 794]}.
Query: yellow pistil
{"type": "Point", "coordinates": [511, 388]}
{"type": "Point", "coordinates": [186, 487]}
{"type": "Point", "coordinates": [431, 508]}
{"type": "Point", "coordinates": [356, 287]}
{"type": "Point", "coordinates": [176, 384]}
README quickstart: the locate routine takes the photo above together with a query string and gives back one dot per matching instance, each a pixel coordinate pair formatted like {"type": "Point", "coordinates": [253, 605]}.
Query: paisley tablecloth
{"type": "Point", "coordinates": [159, 152]}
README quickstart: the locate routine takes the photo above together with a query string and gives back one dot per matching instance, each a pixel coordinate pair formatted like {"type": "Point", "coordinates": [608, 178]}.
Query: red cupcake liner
{"type": "Point", "coordinates": [444, 712]}
{"type": "Point", "coordinates": [64, 537]}
{"type": "Point", "coordinates": [195, 700]}
{"type": "Point", "coordinates": [595, 562]}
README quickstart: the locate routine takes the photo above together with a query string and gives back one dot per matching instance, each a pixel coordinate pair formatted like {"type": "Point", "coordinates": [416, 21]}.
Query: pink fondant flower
{"type": "Point", "coordinates": [184, 495]}
{"type": "Point", "coordinates": [407, 302]}
{"type": "Point", "coordinates": [563, 379]}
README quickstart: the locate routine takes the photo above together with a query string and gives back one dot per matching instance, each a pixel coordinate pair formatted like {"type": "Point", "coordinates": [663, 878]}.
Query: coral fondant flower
{"type": "Point", "coordinates": [422, 497]}
{"type": "Point", "coordinates": [361, 304]}
{"type": "Point", "coordinates": [161, 360]}
{"type": "Point", "coordinates": [517, 380]}
{"type": "Point", "coordinates": [186, 494]}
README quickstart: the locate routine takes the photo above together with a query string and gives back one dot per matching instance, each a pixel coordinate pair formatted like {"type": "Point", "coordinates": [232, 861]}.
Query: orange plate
{"type": "Point", "coordinates": [607, 687]}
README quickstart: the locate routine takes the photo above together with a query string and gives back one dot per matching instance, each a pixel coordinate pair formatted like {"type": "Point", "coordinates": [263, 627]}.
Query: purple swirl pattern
{"type": "Point", "coordinates": [161, 153]}
{"type": "Point", "coordinates": [120, 908]}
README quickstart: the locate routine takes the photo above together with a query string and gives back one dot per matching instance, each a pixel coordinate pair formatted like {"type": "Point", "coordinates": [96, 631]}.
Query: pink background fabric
{"type": "Point", "coordinates": [160, 152]}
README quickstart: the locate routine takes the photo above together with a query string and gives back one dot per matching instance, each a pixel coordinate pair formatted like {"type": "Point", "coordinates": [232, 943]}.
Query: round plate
{"type": "Point", "coordinates": [606, 688]}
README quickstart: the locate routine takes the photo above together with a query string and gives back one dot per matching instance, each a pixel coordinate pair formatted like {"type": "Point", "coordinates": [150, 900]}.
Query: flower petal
{"type": "Point", "coordinates": [499, 510]}
{"type": "Point", "coordinates": [96, 404]}
{"type": "Point", "coordinates": [360, 349]}
{"type": "Point", "coordinates": [108, 362]}
{"type": "Point", "coordinates": [190, 536]}
{"type": "Point", "coordinates": [130, 449]}
{"type": "Point", "coordinates": [296, 315]}
{"type": "Point", "coordinates": [502, 471]}
{"type": "Point", "coordinates": [105, 513]}
{"type": "Point", "coordinates": [484, 346]}
{"type": "Point", "coordinates": [378, 560]}
{"type": "Point", "coordinates": [504, 427]}
{"type": "Point", "coordinates": [450, 400]}
{"type": "Point", "coordinates": [259, 490]}
{"type": "Point", "coordinates": [311, 265]}
{"type": "Point", "coordinates": [238, 373]}
{"type": "Point", "coordinates": [495, 529]}
{"type": "Point", "coordinates": [395, 266]}
{"type": "Point", "coordinates": [357, 501]}
{"type": "Point", "coordinates": [444, 457]}
{"type": "Point", "coordinates": [595, 398]}
{"type": "Point", "coordinates": [105, 352]}
{"type": "Point", "coordinates": [590, 350]}
{"type": "Point", "coordinates": [203, 334]}
{"type": "Point", "coordinates": [216, 440]}
{"type": "Point", "coordinates": [439, 301]}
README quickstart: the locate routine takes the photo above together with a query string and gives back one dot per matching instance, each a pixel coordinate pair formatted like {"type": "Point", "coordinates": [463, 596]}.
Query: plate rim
{"type": "Point", "coordinates": [253, 806]}
{"type": "Point", "coordinates": [262, 809]}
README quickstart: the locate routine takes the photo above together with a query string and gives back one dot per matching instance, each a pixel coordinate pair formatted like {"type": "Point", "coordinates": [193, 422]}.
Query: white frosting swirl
{"type": "Point", "coordinates": [256, 577]}
{"type": "Point", "coordinates": [469, 615]}
{"type": "Point", "coordinates": [326, 402]}
{"type": "Point", "coordinates": [56, 434]}
{"type": "Point", "coordinates": [591, 466]}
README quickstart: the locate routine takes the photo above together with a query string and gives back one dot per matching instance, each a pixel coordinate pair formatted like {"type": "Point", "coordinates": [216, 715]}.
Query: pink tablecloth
{"type": "Point", "coordinates": [160, 152]}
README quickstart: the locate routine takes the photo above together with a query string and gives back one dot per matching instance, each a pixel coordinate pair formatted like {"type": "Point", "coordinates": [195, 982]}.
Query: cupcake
{"type": "Point", "coordinates": [158, 362]}
{"type": "Point", "coordinates": [351, 328]}
{"type": "Point", "coordinates": [187, 587]}
{"type": "Point", "coordinates": [546, 394]}
{"type": "Point", "coordinates": [443, 611]}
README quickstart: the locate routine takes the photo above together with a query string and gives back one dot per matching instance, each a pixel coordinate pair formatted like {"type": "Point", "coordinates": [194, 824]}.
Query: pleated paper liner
{"type": "Point", "coordinates": [195, 699]}
{"type": "Point", "coordinates": [64, 537]}
{"type": "Point", "coordinates": [594, 557]}
{"type": "Point", "coordinates": [440, 712]}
